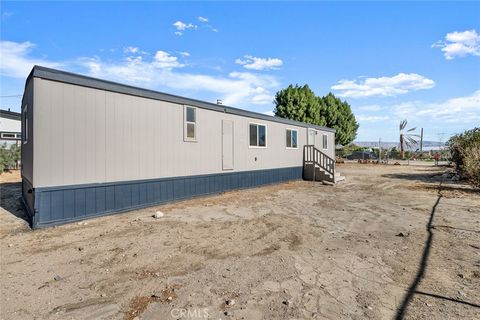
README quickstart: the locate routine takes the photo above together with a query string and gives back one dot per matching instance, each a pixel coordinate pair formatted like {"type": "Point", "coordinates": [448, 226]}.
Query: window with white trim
{"type": "Point", "coordinates": [258, 135]}
{"type": "Point", "coordinates": [190, 124]}
{"type": "Point", "coordinates": [25, 124]}
{"type": "Point", "coordinates": [7, 135]}
{"type": "Point", "coordinates": [325, 141]}
{"type": "Point", "coordinates": [292, 138]}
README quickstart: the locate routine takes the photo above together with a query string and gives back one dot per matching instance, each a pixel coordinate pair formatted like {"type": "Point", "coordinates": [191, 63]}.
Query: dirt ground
{"type": "Point", "coordinates": [390, 241]}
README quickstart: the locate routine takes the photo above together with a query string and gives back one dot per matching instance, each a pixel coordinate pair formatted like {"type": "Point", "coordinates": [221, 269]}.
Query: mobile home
{"type": "Point", "coordinates": [92, 147]}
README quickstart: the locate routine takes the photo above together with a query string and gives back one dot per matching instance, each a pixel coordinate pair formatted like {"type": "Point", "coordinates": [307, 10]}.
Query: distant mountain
{"type": "Point", "coordinates": [427, 145]}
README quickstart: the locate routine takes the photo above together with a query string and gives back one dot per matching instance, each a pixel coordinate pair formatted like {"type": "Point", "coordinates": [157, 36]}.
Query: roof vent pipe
{"type": "Point", "coordinates": [219, 101]}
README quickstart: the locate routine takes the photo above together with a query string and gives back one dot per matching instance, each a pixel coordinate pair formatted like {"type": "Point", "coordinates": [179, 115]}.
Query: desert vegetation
{"type": "Point", "coordinates": [465, 154]}
{"type": "Point", "coordinates": [9, 157]}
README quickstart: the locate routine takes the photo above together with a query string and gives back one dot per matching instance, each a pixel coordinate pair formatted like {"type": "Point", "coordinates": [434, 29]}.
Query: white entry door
{"type": "Point", "coordinates": [311, 136]}
{"type": "Point", "coordinates": [227, 144]}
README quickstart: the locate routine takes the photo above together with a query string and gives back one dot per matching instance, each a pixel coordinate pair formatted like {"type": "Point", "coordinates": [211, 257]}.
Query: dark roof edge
{"type": "Point", "coordinates": [85, 81]}
{"type": "Point", "coordinates": [10, 115]}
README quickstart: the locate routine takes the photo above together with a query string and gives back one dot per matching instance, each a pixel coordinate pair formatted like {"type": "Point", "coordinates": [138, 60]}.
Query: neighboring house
{"type": "Point", "coordinates": [93, 147]}
{"type": "Point", "coordinates": [10, 132]}
{"type": "Point", "coordinates": [10, 128]}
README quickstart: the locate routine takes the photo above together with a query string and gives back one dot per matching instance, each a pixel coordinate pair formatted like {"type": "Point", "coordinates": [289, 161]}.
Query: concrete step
{"type": "Point", "coordinates": [338, 177]}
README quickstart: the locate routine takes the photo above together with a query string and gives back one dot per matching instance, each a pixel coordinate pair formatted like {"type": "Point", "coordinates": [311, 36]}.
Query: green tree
{"type": "Point", "coordinates": [9, 157]}
{"type": "Point", "coordinates": [6, 159]}
{"type": "Point", "coordinates": [337, 114]}
{"type": "Point", "coordinates": [394, 153]}
{"type": "Point", "coordinates": [16, 154]}
{"type": "Point", "coordinates": [349, 149]}
{"type": "Point", "coordinates": [406, 138]}
{"type": "Point", "coordinates": [298, 103]}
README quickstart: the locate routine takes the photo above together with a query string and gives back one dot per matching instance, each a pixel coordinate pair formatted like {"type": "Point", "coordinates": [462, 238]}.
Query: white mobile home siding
{"type": "Point", "coordinates": [86, 135]}
{"type": "Point", "coordinates": [99, 151]}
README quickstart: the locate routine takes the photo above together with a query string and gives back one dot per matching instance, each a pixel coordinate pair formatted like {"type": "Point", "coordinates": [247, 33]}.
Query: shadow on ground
{"type": "Point", "coordinates": [412, 290]}
{"type": "Point", "coordinates": [430, 180]}
{"type": "Point", "coordinates": [424, 177]}
{"type": "Point", "coordinates": [10, 193]}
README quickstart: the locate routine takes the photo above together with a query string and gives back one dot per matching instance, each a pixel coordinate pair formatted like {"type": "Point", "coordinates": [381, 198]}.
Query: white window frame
{"type": "Point", "coordinates": [286, 132]}
{"type": "Point", "coordinates": [25, 125]}
{"type": "Point", "coordinates": [325, 142]}
{"type": "Point", "coordinates": [258, 136]}
{"type": "Point", "coordinates": [186, 138]}
{"type": "Point", "coordinates": [4, 135]}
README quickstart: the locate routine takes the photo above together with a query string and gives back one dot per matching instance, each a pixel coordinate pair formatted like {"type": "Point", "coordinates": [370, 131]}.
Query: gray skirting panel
{"type": "Point", "coordinates": [59, 205]}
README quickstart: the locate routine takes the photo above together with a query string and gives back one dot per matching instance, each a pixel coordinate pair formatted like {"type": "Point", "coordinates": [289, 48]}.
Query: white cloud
{"type": "Point", "coordinates": [130, 50]}
{"type": "Point", "coordinates": [456, 110]}
{"type": "Point", "coordinates": [164, 60]}
{"type": "Point", "coordinates": [269, 113]}
{"type": "Point", "coordinates": [460, 44]}
{"type": "Point", "coordinates": [162, 73]}
{"type": "Point", "coordinates": [384, 86]}
{"type": "Point", "coordinates": [254, 63]}
{"type": "Point", "coordinates": [7, 14]}
{"type": "Point", "coordinates": [370, 118]}
{"type": "Point", "coordinates": [206, 25]}
{"type": "Point", "coordinates": [373, 107]}
{"type": "Point", "coordinates": [184, 53]}
{"type": "Point", "coordinates": [15, 60]}
{"type": "Point", "coordinates": [182, 27]}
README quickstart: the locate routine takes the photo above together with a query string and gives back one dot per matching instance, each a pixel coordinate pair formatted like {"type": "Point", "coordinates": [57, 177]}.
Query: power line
{"type": "Point", "coordinates": [12, 96]}
{"type": "Point", "coordinates": [440, 137]}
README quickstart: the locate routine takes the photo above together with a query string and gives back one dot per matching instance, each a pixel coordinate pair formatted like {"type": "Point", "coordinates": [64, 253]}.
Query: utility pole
{"type": "Point", "coordinates": [379, 149]}
{"type": "Point", "coordinates": [421, 141]}
{"type": "Point", "coordinates": [440, 148]}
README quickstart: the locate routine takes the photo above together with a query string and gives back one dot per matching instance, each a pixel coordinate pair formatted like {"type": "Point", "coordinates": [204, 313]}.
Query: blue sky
{"type": "Point", "coordinates": [390, 61]}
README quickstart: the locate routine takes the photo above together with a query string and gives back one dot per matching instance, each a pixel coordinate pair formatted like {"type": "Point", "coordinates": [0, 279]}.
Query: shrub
{"type": "Point", "coordinates": [9, 157]}
{"type": "Point", "coordinates": [465, 153]}
{"type": "Point", "coordinates": [471, 164]}
{"type": "Point", "coordinates": [348, 149]}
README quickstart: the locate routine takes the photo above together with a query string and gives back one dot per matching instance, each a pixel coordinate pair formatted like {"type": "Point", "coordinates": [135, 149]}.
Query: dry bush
{"type": "Point", "coordinates": [465, 153]}
{"type": "Point", "coordinates": [471, 164]}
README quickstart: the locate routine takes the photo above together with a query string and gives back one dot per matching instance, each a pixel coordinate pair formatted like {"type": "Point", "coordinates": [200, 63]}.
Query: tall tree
{"type": "Point", "coordinates": [337, 114]}
{"type": "Point", "coordinates": [406, 138]}
{"type": "Point", "coordinates": [298, 103]}
{"type": "Point", "coordinates": [301, 104]}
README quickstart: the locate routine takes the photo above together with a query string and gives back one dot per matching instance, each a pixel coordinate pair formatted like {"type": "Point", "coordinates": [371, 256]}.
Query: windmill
{"type": "Point", "coordinates": [406, 139]}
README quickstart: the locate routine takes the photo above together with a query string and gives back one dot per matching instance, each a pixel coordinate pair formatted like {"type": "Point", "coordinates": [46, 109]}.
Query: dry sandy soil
{"type": "Point", "coordinates": [390, 241]}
